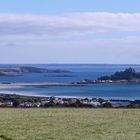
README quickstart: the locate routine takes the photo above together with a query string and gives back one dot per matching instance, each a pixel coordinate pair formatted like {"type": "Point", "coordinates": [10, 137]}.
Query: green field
{"type": "Point", "coordinates": [69, 124]}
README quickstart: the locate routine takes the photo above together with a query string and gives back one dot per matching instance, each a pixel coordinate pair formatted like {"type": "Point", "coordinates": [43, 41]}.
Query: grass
{"type": "Point", "coordinates": [69, 124]}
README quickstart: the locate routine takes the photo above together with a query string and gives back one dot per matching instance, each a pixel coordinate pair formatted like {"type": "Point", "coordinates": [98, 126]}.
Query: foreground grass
{"type": "Point", "coordinates": [69, 124]}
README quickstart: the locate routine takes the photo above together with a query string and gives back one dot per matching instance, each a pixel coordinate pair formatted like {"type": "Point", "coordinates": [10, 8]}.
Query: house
{"type": "Point", "coordinates": [44, 102]}
{"type": "Point", "coordinates": [37, 104]}
{"type": "Point", "coordinates": [6, 104]}
{"type": "Point", "coordinates": [94, 104]}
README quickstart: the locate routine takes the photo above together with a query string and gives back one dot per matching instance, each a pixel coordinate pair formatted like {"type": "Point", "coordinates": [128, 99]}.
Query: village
{"type": "Point", "coordinates": [20, 101]}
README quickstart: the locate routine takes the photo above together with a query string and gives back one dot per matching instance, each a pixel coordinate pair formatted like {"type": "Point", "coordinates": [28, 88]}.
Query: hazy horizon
{"type": "Point", "coordinates": [66, 64]}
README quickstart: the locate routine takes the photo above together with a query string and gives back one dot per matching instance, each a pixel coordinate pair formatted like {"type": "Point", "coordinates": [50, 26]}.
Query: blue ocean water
{"type": "Point", "coordinates": [77, 72]}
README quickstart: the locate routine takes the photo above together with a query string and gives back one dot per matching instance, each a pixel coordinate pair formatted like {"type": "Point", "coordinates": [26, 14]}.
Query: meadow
{"type": "Point", "coordinates": [69, 124]}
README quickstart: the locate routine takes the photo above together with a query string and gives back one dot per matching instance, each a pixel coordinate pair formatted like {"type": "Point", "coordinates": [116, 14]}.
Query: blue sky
{"type": "Point", "coordinates": [67, 6]}
{"type": "Point", "coordinates": [70, 31]}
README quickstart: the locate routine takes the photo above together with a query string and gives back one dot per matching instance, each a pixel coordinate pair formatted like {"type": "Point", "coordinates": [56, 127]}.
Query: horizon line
{"type": "Point", "coordinates": [68, 64]}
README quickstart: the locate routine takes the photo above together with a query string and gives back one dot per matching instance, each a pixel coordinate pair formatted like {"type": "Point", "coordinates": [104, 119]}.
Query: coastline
{"type": "Point", "coordinates": [81, 83]}
{"type": "Point", "coordinates": [40, 84]}
{"type": "Point", "coordinates": [48, 89]}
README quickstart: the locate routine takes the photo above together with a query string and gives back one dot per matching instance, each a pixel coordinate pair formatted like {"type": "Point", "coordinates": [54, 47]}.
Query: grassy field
{"type": "Point", "coordinates": [69, 124]}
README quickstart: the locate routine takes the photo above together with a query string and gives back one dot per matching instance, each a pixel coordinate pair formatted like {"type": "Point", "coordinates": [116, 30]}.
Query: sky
{"type": "Point", "coordinates": [69, 31]}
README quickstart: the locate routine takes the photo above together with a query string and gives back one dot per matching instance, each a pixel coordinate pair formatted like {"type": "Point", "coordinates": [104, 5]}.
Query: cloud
{"type": "Point", "coordinates": [74, 37]}
{"type": "Point", "coordinates": [73, 24]}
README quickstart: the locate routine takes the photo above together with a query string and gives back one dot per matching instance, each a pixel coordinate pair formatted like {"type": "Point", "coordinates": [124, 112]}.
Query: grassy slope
{"type": "Point", "coordinates": [69, 124]}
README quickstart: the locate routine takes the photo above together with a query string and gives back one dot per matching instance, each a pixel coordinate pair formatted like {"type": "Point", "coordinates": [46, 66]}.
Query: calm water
{"type": "Point", "coordinates": [77, 73]}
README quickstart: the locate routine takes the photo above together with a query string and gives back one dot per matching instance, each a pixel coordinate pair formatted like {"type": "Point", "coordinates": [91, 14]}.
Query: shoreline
{"type": "Point", "coordinates": [64, 96]}
{"type": "Point", "coordinates": [40, 84]}
{"type": "Point", "coordinates": [51, 84]}
{"type": "Point", "coordinates": [81, 83]}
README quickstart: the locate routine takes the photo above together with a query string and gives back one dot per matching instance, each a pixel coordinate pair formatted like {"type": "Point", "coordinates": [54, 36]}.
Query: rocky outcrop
{"type": "Point", "coordinates": [128, 74]}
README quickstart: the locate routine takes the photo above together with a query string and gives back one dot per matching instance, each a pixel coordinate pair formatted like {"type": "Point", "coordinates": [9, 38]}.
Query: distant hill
{"type": "Point", "coordinates": [22, 69]}
{"type": "Point", "coordinates": [13, 70]}
{"type": "Point", "coordinates": [128, 74]}
{"type": "Point", "coordinates": [2, 74]}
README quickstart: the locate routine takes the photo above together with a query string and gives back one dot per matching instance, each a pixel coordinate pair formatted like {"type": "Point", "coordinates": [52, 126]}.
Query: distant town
{"type": "Point", "coordinates": [19, 101]}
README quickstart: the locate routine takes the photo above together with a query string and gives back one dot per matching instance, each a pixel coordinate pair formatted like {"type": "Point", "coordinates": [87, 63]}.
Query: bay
{"type": "Point", "coordinates": [76, 73]}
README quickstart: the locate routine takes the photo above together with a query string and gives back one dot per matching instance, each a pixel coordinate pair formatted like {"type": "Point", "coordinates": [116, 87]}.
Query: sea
{"type": "Point", "coordinates": [74, 73]}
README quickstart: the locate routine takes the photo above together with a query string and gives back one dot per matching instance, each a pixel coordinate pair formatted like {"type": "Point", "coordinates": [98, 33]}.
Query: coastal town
{"type": "Point", "coordinates": [19, 101]}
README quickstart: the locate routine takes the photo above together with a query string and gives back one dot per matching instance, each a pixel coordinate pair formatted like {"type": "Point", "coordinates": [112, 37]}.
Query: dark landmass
{"type": "Point", "coordinates": [128, 74]}
{"type": "Point", "coordinates": [2, 74]}
{"type": "Point", "coordinates": [22, 69]}
{"type": "Point", "coordinates": [16, 70]}
{"type": "Point", "coordinates": [19, 101]}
